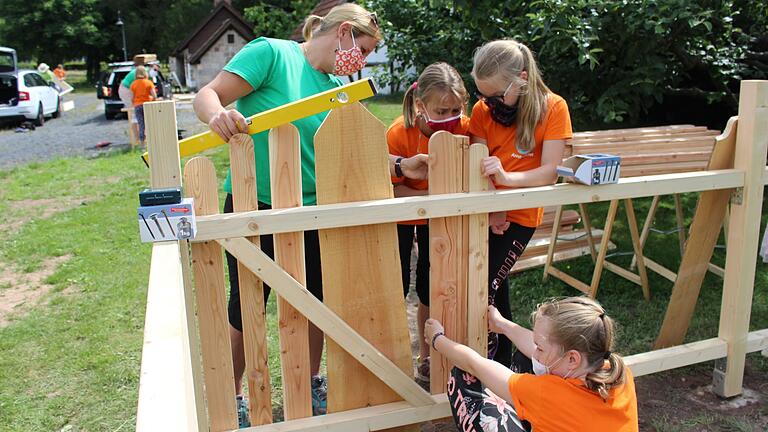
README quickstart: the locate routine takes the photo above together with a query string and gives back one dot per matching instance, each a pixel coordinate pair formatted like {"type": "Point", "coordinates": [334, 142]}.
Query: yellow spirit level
{"type": "Point", "coordinates": [334, 98]}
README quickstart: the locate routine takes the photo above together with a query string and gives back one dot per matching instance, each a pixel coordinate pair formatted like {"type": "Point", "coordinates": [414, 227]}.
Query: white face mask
{"type": "Point", "coordinates": [542, 369]}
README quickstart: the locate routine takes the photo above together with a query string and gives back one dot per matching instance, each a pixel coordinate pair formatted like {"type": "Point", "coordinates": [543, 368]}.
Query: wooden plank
{"type": "Point", "coordinates": [178, 357]}
{"type": "Point", "coordinates": [477, 283]}
{"type": "Point", "coordinates": [570, 280]}
{"type": "Point", "coordinates": [705, 230]}
{"type": "Point", "coordinates": [165, 357]}
{"type": "Point", "coordinates": [374, 418]}
{"type": "Point", "coordinates": [588, 228]}
{"type": "Point", "coordinates": [242, 163]}
{"type": "Point", "coordinates": [603, 250]}
{"type": "Point", "coordinates": [647, 226]}
{"type": "Point", "coordinates": [743, 233]}
{"type": "Point", "coordinates": [566, 254]}
{"type": "Point", "coordinates": [661, 270]}
{"type": "Point", "coordinates": [327, 321]}
{"type": "Point", "coordinates": [626, 139]}
{"type": "Point", "coordinates": [409, 208]}
{"type": "Point", "coordinates": [552, 241]}
{"type": "Point", "coordinates": [653, 169]}
{"type": "Point", "coordinates": [621, 271]}
{"type": "Point", "coordinates": [285, 181]}
{"type": "Point", "coordinates": [670, 158]}
{"type": "Point", "coordinates": [447, 290]}
{"type": "Point", "coordinates": [361, 265]}
{"type": "Point", "coordinates": [680, 219]}
{"type": "Point", "coordinates": [638, 249]}
{"type": "Point", "coordinates": [161, 132]}
{"type": "Point", "coordinates": [208, 266]}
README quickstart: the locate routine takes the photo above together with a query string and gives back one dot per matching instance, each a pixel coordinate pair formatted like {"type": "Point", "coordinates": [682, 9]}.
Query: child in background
{"type": "Point", "coordinates": [525, 125]}
{"type": "Point", "coordinates": [143, 91]}
{"type": "Point", "coordinates": [578, 384]}
{"type": "Point", "coordinates": [437, 101]}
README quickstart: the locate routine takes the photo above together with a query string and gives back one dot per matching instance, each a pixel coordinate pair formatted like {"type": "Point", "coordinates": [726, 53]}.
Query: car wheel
{"type": "Point", "coordinates": [40, 120]}
{"type": "Point", "coordinates": [57, 113]}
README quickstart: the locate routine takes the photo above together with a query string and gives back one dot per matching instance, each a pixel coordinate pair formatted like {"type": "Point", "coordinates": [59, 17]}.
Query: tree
{"type": "Point", "coordinates": [632, 61]}
{"type": "Point", "coordinates": [278, 18]}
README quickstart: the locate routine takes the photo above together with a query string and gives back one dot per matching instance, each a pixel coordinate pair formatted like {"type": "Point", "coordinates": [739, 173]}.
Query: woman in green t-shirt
{"type": "Point", "coordinates": [265, 74]}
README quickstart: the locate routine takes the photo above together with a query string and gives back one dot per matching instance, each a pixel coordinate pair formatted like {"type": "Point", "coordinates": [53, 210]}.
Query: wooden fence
{"type": "Point", "coordinates": [186, 368]}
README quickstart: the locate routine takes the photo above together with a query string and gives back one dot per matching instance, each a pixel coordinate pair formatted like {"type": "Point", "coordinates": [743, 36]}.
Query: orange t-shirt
{"type": "Point", "coordinates": [142, 91]}
{"type": "Point", "coordinates": [551, 403]}
{"type": "Point", "coordinates": [60, 74]}
{"type": "Point", "coordinates": [556, 125]}
{"type": "Point", "coordinates": [408, 142]}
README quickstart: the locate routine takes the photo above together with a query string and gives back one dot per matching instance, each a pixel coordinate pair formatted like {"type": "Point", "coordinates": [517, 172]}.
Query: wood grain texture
{"type": "Point", "coordinates": [243, 167]}
{"type": "Point", "coordinates": [447, 279]}
{"type": "Point", "coordinates": [285, 181]}
{"type": "Point", "coordinates": [477, 266]}
{"type": "Point", "coordinates": [361, 265]}
{"type": "Point", "coordinates": [208, 267]}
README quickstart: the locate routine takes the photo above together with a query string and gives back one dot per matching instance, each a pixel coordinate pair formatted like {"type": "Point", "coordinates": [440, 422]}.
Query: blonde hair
{"type": "Point", "coordinates": [436, 81]}
{"type": "Point", "coordinates": [362, 21]}
{"type": "Point", "coordinates": [504, 60]}
{"type": "Point", "coordinates": [141, 72]}
{"type": "Point", "coordinates": [580, 323]}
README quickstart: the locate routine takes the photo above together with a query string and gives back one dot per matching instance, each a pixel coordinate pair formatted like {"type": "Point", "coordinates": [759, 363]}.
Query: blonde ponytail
{"type": "Point", "coordinates": [580, 324]}
{"type": "Point", "coordinates": [362, 21]}
{"type": "Point", "coordinates": [409, 106]}
{"type": "Point", "coordinates": [309, 26]}
{"type": "Point", "coordinates": [504, 60]}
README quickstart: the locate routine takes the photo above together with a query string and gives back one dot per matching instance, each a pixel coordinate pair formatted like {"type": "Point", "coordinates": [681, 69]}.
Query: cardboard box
{"type": "Point", "coordinates": [167, 222]}
{"type": "Point", "coordinates": [591, 169]}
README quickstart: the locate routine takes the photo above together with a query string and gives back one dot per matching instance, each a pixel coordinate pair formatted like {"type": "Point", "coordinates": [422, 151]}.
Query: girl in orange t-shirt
{"type": "Point", "coordinates": [436, 101]}
{"type": "Point", "coordinates": [525, 126]}
{"type": "Point", "coordinates": [143, 91]}
{"type": "Point", "coordinates": [578, 384]}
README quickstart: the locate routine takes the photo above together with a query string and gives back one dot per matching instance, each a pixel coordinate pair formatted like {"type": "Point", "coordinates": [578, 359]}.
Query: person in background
{"type": "Point", "coordinates": [143, 90]}
{"type": "Point", "coordinates": [45, 71]}
{"type": "Point", "coordinates": [60, 72]}
{"type": "Point", "coordinates": [124, 90]}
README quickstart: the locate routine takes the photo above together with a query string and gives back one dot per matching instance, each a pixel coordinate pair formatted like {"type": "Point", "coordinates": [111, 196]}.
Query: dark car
{"type": "Point", "coordinates": [107, 88]}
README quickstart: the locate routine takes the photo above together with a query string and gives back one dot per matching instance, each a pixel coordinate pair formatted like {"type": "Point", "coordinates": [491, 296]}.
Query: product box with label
{"type": "Point", "coordinates": [167, 221]}
{"type": "Point", "coordinates": [591, 169]}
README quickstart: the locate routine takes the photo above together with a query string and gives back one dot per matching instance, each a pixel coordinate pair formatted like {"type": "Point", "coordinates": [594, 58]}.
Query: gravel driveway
{"type": "Point", "coordinates": [76, 133]}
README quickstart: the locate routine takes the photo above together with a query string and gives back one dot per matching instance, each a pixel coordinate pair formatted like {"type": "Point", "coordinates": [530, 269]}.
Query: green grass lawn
{"type": "Point", "coordinates": [73, 359]}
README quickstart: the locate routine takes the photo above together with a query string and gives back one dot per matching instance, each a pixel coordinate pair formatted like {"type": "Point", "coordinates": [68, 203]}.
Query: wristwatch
{"type": "Point", "coordinates": [398, 169]}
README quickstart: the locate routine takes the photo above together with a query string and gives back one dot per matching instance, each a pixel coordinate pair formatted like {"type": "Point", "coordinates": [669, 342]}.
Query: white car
{"type": "Point", "coordinates": [24, 94]}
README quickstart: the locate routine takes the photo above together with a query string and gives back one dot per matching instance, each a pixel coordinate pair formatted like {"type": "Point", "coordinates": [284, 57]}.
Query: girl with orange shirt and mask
{"type": "Point", "coordinates": [525, 125]}
{"type": "Point", "coordinates": [437, 101]}
{"type": "Point", "coordinates": [578, 384]}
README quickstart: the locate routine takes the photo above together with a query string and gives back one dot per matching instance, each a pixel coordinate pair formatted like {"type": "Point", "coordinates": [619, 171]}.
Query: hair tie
{"type": "Point", "coordinates": [415, 85]}
{"type": "Point", "coordinates": [602, 315]}
{"type": "Point", "coordinates": [607, 355]}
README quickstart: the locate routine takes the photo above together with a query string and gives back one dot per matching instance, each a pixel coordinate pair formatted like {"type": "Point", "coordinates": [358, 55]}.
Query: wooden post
{"type": "Point", "coordinates": [447, 290]}
{"type": "Point", "coordinates": [254, 321]}
{"type": "Point", "coordinates": [285, 181]}
{"type": "Point", "coordinates": [477, 284]}
{"type": "Point", "coordinates": [163, 300]}
{"type": "Point", "coordinates": [208, 265]}
{"type": "Point", "coordinates": [743, 235]}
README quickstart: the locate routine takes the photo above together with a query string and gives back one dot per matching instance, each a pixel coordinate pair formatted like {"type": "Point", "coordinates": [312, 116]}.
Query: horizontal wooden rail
{"type": "Point", "coordinates": [398, 209]}
{"type": "Point", "coordinates": [691, 353]}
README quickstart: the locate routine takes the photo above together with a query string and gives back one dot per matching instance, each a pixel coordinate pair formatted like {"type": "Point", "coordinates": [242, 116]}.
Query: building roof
{"type": "Point", "coordinates": [222, 18]}
{"type": "Point", "coordinates": [322, 8]}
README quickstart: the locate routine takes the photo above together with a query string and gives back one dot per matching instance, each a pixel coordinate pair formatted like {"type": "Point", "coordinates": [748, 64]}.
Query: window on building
{"type": "Point", "coordinates": [230, 38]}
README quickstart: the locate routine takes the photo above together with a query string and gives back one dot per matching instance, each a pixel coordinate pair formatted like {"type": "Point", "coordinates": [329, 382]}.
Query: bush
{"type": "Point", "coordinates": [615, 62]}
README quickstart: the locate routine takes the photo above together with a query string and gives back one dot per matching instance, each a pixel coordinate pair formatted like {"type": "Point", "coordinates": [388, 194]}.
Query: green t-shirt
{"type": "Point", "coordinates": [279, 74]}
{"type": "Point", "coordinates": [47, 76]}
{"type": "Point", "coordinates": [129, 79]}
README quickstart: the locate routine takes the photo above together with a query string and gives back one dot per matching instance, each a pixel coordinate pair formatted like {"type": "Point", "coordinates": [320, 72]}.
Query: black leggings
{"type": "Point", "coordinates": [503, 252]}
{"type": "Point", "coordinates": [405, 241]}
{"type": "Point", "coordinates": [311, 259]}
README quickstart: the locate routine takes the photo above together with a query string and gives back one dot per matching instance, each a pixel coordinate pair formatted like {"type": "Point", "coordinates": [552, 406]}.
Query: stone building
{"type": "Point", "coordinates": [202, 55]}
